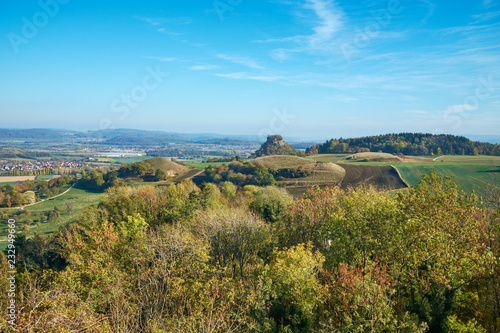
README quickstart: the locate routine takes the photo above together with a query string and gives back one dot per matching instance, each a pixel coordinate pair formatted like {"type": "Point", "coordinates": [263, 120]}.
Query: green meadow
{"type": "Point", "coordinates": [77, 198]}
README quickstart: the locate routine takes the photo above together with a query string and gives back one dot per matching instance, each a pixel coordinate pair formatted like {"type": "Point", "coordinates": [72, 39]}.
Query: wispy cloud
{"type": "Point", "coordinates": [274, 40]}
{"type": "Point", "coordinates": [459, 108]}
{"type": "Point", "coordinates": [487, 3]}
{"type": "Point", "coordinates": [246, 76]}
{"type": "Point", "coordinates": [470, 28]}
{"type": "Point", "coordinates": [327, 22]}
{"type": "Point", "coordinates": [485, 16]}
{"type": "Point", "coordinates": [239, 60]}
{"type": "Point", "coordinates": [430, 10]}
{"type": "Point", "coordinates": [169, 33]}
{"type": "Point", "coordinates": [150, 20]}
{"type": "Point", "coordinates": [155, 21]}
{"type": "Point", "coordinates": [203, 67]}
{"type": "Point", "coordinates": [330, 21]}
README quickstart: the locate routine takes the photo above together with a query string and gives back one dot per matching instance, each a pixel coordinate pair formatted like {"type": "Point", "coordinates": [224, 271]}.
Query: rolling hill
{"type": "Point", "coordinates": [167, 165]}
{"type": "Point", "coordinates": [371, 157]}
{"type": "Point", "coordinates": [282, 161]}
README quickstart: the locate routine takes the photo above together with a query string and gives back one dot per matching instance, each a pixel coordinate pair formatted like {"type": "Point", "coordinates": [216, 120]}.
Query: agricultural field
{"type": "Point", "coordinates": [383, 177]}
{"type": "Point", "coordinates": [470, 177]}
{"type": "Point", "coordinates": [47, 177]}
{"type": "Point", "coordinates": [15, 179]}
{"type": "Point", "coordinates": [281, 161]}
{"type": "Point", "coordinates": [472, 173]}
{"type": "Point", "coordinates": [202, 166]}
{"type": "Point", "coordinates": [370, 157]}
{"type": "Point", "coordinates": [333, 158]}
{"type": "Point", "coordinates": [489, 160]}
{"type": "Point", "coordinates": [322, 173]}
{"type": "Point", "coordinates": [129, 160]}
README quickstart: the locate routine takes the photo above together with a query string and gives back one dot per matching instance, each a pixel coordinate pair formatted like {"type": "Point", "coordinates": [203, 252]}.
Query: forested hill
{"type": "Point", "coordinates": [408, 144]}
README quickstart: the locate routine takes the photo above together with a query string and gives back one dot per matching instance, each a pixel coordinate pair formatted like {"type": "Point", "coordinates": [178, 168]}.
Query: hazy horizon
{"type": "Point", "coordinates": [491, 138]}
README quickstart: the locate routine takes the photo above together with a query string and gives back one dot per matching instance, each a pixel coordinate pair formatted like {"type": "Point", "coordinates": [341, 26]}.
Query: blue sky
{"type": "Point", "coordinates": [311, 68]}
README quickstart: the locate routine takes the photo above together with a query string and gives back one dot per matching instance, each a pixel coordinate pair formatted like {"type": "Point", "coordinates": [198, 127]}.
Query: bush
{"type": "Point", "coordinates": [270, 202]}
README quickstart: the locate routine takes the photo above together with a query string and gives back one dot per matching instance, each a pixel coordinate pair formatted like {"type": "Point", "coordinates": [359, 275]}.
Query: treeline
{"type": "Point", "coordinates": [223, 159]}
{"type": "Point", "coordinates": [407, 144]}
{"type": "Point", "coordinates": [23, 154]}
{"type": "Point", "coordinates": [202, 259]}
{"type": "Point", "coordinates": [46, 171]}
{"type": "Point", "coordinates": [190, 152]}
{"type": "Point", "coordinates": [98, 180]}
{"type": "Point", "coordinates": [31, 191]}
{"type": "Point", "coordinates": [247, 173]}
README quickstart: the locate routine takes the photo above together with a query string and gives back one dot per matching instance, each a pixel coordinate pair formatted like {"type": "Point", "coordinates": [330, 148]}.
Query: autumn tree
{"type": "Point", "coordinates": [235, 235]}
{"type": "Point", "coordinates": [296, 290]}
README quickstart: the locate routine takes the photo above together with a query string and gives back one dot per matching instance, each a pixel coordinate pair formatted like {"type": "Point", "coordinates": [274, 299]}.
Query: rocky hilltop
{"type": "Point", "coordinates": [275, 145]}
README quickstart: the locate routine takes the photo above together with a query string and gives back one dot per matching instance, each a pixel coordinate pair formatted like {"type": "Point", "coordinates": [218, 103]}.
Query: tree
{"type": "Point", "coordinates": [228, 190]}
{"type": "Point", "coordinates": [296, 289]}
{"type": "Point", "coordinates": [53, 215]}
{"type": "Point", "coordinates": [235, 236]}
{"type": "Point", "coordinates": [133, 228]}
{"type": "Point", "coordinates": [270, 202]}
{"type": "Point", "coordinates": [262, 176]}
{"type": "Point", "coordinates": [29, 197]}
{"type": "Point", "coordinates": [443, 242]}
{"type": "Point", "coordinates": [360, 300]}
{"type": "Point", "coordinates": [159, 175]}
{"type": "Point", "coordinates": [70, 205]}
{"type": "Point", "coordinates": [25, 228]}
{"type": "Point", "coordinates": [209, 195]}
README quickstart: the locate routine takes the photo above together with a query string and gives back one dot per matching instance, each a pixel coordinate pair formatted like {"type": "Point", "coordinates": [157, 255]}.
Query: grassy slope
{"type": "Point", "coordinates": [44, 177]}
{"type": "Point", "coordinates": [327, 157]}
{"type": "Point", "coordinates": [368, 157]}
{"type": "Point", "coordinates": [323, 173]}
{"type": "Point", "coordinates": [80, 199]}
{"type": "Point", "coordinates": [281, 161]}
{"type": "Point", "coordinates": [202, 166]}
{"type": "Point", "coordinates": [165, 164]}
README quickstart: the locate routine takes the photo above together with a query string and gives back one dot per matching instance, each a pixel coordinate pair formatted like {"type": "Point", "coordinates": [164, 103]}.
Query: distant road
{"type": "Point", "coordinates": [55, 196]}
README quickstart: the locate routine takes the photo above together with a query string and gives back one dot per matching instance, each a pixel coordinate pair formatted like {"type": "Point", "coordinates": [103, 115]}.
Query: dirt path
{"type": "Point", "coordinates": [400, 177]}
{"type": "Point", "coordinates": [36, 203]}
{"type": "Point", "coordinates": [188, 175]}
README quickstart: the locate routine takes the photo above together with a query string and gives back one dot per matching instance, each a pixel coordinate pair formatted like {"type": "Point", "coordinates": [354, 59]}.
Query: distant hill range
{"type": "Point", "coordinates": [139, 137]}
{"type": "Point", "coordinates": [416, 144]}
{"type": "Point", "coordinates": [275, 145]}
{"type": "Point", "coordinates": [405, 143]}
{"type": "Point", "coordinates": [122, 137]}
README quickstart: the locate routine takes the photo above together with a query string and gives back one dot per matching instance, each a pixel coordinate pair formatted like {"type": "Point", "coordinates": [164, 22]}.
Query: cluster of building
{"type": "Point", "coordinates": [38, 165]}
